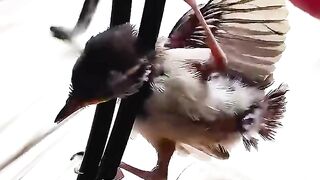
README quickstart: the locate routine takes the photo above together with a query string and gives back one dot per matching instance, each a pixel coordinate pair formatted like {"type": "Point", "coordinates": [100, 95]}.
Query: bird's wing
{"type": "Point", "coordinates": [250, 32]}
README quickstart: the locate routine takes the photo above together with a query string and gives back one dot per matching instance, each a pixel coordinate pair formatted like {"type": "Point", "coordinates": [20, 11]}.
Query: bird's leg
{"type": "Point", "coordinates": [165, 149]}
{"type": "Point", "coordinates": [219, 58]}
{"type": "Point", "coordinates": [119, 175]}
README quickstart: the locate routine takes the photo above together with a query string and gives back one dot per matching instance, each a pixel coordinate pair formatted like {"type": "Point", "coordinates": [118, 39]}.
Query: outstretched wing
{"type": "Point", "coordinates": [250, 32]}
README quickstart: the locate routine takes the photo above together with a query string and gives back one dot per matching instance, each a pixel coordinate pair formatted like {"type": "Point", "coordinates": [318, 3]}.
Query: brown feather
{"type": "Point", "coordinates": [250, 32]}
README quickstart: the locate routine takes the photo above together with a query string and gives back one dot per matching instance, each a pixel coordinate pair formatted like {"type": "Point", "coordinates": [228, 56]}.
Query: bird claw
{"type": "Point", "coordinates": [119, 175]}
{"type": "Point", "coordinates": [205, 70]}
{"type": "Point", "coordinates": [77, 171]}
{"type": "Point", "coordinates": [155, 174]}
{"type": "Point", "coordinates": [78, 154]}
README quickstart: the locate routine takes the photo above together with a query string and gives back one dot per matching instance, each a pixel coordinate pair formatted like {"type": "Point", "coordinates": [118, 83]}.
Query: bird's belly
{"type": "Point", "coordinates": [182, 130]}
{"type": "Point", "coordinates": [186, 110]}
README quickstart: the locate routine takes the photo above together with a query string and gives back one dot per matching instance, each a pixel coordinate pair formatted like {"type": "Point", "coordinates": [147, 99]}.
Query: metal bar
{"type": "Point", "coordinates": [97, 140]}
{"type": "Point", "coordinates": [121, 132]}
{"type": "Point", "coordinates": [148, 33]}
{"type": "Point", "coordinates": [121, 10]}
{"type": "Point", "coordinates": [150, 24]}
{"type": "Point", "coordinates": [119, 136]}
{"type": "Point", "coordinates": [87, 11]}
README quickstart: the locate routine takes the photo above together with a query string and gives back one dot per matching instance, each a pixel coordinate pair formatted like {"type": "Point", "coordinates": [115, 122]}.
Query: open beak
{"type": "Point", "coordinates": [72, 105]}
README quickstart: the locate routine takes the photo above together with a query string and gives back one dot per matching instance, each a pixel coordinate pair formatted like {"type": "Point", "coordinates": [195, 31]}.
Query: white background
{"type": "Point", "coordinates": [35, 73]}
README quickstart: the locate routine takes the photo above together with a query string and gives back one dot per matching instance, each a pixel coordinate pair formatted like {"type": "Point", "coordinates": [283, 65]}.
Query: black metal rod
{"type": "Point", "coordinates": [119, 137]}
{"type": "Point", "coordinates": [150, 24]}
{"type": "Point", "coordinates": [149, 30]}
{"type": "Point", "coordinates": [88, 9]}
{"type": "Point", "coordinates": [121, 12]}
{"type": "Point", "coordinates": [104, 112]}
{"type": "Point", "coordinates": [97, 140]}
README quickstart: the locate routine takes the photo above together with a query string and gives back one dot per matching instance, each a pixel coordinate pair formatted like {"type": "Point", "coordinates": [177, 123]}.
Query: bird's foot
{"type": "Point", "coordinates": [204, 70]}
{"type": "Point", "coordinates": [119, 175]}
{"type": "Point", "coordinates": [155, 174]}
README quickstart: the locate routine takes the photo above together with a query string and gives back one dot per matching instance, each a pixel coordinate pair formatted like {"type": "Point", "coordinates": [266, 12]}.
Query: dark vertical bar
{"type": "Point", "coordinates": [121, 12]}
{"type": "Point", "coordinates": [97, 140]}
{"type": "Point", "coordinates": [87, 11]}
{"type": "Point", "coordinates": [120, 134]}
{"type": "Point", "coordinates": [150, 24]}
{"type": "Point", "coordinates": [104, 112]}
{"type": "Point", "coordinates": [149, 29]}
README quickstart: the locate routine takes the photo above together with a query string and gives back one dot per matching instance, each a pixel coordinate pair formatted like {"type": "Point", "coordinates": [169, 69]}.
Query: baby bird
{"type": "Point", "coordinates": [196, 100]}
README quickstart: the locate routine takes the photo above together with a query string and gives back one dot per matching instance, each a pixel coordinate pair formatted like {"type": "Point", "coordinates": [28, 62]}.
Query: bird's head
{"type": "Point", "coordinates": [109, 67]}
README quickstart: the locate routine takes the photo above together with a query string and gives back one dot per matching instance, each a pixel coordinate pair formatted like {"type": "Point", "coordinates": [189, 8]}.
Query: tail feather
{"type": "Point", "coordinates": [276, 107]}
{"type": "Point", "coordinates": [276, 102]}
{"type": "Point", "coordinates": [264, 118]}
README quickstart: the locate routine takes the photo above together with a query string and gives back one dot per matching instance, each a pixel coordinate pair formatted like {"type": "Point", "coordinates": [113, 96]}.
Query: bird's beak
{"type": "Point", "coordinates": [72, 105]}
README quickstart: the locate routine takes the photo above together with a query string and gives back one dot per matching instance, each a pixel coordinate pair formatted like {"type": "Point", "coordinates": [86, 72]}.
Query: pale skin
{"type": "Point", "coordinates": [216, 51]}
{"type": "Point", "coordinates": [164, 147]}
{"type": "Point", "coordinates": [218, 61]}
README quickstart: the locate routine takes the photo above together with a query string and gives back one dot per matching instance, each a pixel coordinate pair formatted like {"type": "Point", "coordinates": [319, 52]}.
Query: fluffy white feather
{"type": "Point", "coordinates": [185, 99]}
{"type": "Point", "coordinates": [187, 94]}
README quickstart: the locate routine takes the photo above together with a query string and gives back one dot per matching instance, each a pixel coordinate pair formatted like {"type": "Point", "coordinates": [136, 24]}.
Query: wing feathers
{"type": "Point", "coordinates": [250, 32]}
